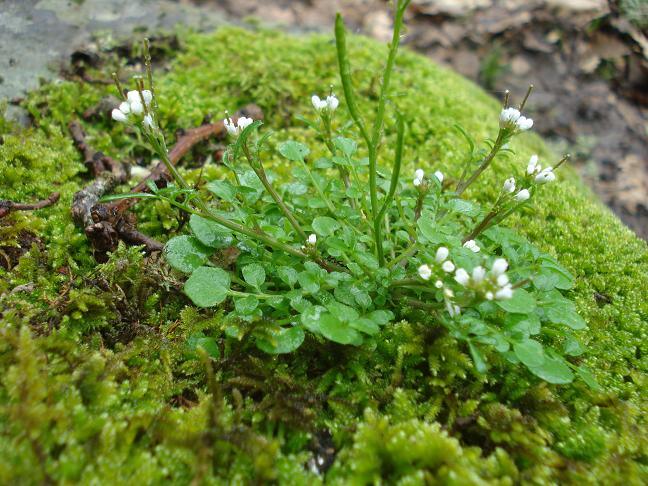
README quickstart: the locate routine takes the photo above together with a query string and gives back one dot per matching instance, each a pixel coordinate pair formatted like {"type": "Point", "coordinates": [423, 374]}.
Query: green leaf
{"type": "Point", "coordinates": [553, 370]}
{"type": "Point", "coordinates": [380, 317]}
{"type": "Point", "coordinates": [365, 325]}
{"type": "Point", "coordinates": [342, 312]}
{"type": "Point", "coordinates": [553, 275]}
{"type": "Point", "coordinates": [186, 253]}
{"type": "Point", "coordinates": [522, 302]}
{"type": "Point", "coordinates": [324, 225]}
{"type": "Point", "coordinates": [347, 146]}
{"type": "Point", "coordinates": [462, 206]}
{"type": "Point", "coordinates": [288, 275]}
{"type": "Point", "coordinates": [310, 317]}
{"type": "Point", "coordinates": [294, 151]}
{"type": "Point", "coordinates": [572, 347]}
{"type": "Point", "coordinates": [281, 341]}
{"type": "Point", "coordinates": [207, 286]}
{"type": "Point", "coordinates": [337, 331]}
{"type": "Point", "coordinates": [209, 344]}
{"type": "Point", "coordinates": [522, 324]}
{"type": "Point", "coordinates": [254, 274]}
{"type": "Point", "coordinates": [587, 376]}
{"type": "Point", "coordinates": [246, 305]}
{"type": "Point", "coordinates": [223, 189]}
{"type": "Point", "coordinates": [560, 310]}
{"type": "Point", "coordinates": [210, 233]}
{"type": "Point", "coordinates": [308, 282]}
{"type": "Point", "coordinates": [530, 352]}
{"type": "Point", "coordinates": [478, 358]}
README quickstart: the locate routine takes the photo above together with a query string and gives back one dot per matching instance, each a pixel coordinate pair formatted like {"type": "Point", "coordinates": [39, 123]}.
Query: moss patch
{"type": "Point", "coordinates": [98, 383]}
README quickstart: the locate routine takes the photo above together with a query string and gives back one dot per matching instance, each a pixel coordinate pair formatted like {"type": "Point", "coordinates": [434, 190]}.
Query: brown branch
{"type": "Point", "coordinates": [7, 207]}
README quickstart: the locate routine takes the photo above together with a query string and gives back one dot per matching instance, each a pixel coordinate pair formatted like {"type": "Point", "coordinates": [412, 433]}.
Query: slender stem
{"type": "Point", "coordinates": [481, 226]}
{"type": "Point", "coordinates": [396, 169]}
{"type": "Point", "coordinates": [319, 190]}
{"type": "Point", "coordinates": [258, 169]}
{"type": "Point", "coordinates": [408, 252]}
{"type": "Point", "coordinates": [486, 161]}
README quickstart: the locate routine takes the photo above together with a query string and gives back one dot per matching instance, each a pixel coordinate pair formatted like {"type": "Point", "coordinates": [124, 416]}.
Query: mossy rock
{"type": "Point", "coordinates": [99, 386]}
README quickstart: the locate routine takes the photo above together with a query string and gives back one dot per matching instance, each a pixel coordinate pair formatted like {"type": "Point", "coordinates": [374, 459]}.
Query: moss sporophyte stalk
{"type": "Point", "coordinates": [385, 248]}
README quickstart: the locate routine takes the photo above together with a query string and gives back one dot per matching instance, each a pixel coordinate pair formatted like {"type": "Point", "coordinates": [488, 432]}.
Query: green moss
{"type": "Point", "coordinates": [97, 384]}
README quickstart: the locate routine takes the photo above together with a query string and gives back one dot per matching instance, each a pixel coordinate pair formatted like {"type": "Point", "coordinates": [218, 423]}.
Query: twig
{"type": "Point", "coordinates": [7, 207]}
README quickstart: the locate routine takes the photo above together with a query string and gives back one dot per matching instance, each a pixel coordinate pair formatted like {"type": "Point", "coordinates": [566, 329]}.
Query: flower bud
{"type": "Point", "coordinates": [448, 266]}
{"type": "Point", "coordinates": [499, 267]}
{"type": "Point", "coordinates": [312, 239]}
{"type": "Point", "coordinates": [472, 246]}
{"type": "Point", "coordinates": [509, 185]}
{"type": "Point", "coordinates": [439, 175]}
{"type": "Point", "coordinates": [332, 102]}
{"type": "Point", "coordinates": [522, 196]}
{"type": "Point", "coordinates": [442, 254]}
{"type": "Point", "coordinates": [462, 277]}
{"type": "Point", "coordinates": [425, 272]}
{"type": "Point", "coordinates": [119, 116]}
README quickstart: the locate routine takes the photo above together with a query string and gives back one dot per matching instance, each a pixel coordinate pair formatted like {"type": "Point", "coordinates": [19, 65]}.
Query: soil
{"type": "Point", "coordinates": [587, 61]}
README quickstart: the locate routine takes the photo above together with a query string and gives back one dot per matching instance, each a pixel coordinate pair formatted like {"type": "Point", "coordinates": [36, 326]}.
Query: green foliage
{"type": "Point", "coordinates": [137, 408]}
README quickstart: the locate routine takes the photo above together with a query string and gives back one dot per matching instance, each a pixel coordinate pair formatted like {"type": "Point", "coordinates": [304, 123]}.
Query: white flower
{"type": "Point", "coordinates": [472, 246]}
{"type": "Point", "coordinates": [508, 116]}
{"type": "Point", "coordinates": [148, 96]}
{"type": "Point", "coordinates": [318, 103]}
{"type": "Point", "coordinates": [241, 124]}
{"type": "Point", "coordinates": [119, 116]}
{"type": "Point", "coordinates": [148, 121]}
{"type": "Point", "coordinates": [448, 293]}
{"type": "Point", "coordinates": [504, 293]}
{"type": "Point", "coordinates": [442, 254]}
{"type": "Point", "coordinates": [448, 266]}
{"type": "Point", "coordinates": [533, 165]}
{"type": "Point", "coordinates": [417, 182]}
{"type": "Point", "coordinates": [312, 239]}
{"type": "Point", "coordinates": [499, 267]}
{"type": "Point", "coordinates": [502, 280]}
{"type": "Point", "coordinates": [137, 108]}
{"type": "Point", "coordinates": [425, 272]}
{"type": "Point", "coordinates": [462, 277]}
{"type": "Point", "coordinates": [419, 174]}
{"type": "Point", "coordinates": [438, 284]}
{"type": "Point", "coordinates": [522, 196]}
{"type": "Point", "coordinates": [453, 309]}
{"type": "Point", "coordinates": [133, 96]}
{"type": "Point", "coordinates": [509, 185]}
{"type": "Point", "coordinates": [229, 125]}
{"type": "Point", "coordinates": [137, 172]}
{"type": "Point", "coordinates": [547, 175]}
{"type": "Point", "coordinates": [332, 102]}
{"type": "Point", "coordinates": [478, 274]}
{"type": "Point", "coordinates": [439, 175]}
{"type": "Point", "coordinates": [124, 107]}
{"type": "Point", "coordinates": [489, 295]}
{"type": "Point", "coordinates": [523, 123]}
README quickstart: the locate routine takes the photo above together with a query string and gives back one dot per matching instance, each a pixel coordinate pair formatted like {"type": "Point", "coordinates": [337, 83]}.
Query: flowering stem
{"type": "Point", "coordinates": [319, 190]}
{"type": "Point", "coordinates": [260, 172]}
{"type": "Point", "coordinates": [400, 126]}
{"type": "Point", "coordinates": [485, 162]}
{"type": "Point", "coordinates": [408, 252]}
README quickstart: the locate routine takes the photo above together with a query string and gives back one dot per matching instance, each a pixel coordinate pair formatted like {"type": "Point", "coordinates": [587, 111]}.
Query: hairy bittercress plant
{"type": "Point", "coordinates": [343, 248]}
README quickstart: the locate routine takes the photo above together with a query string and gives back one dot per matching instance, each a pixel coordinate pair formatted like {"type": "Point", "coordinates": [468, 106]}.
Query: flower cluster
{"type": "Point", "coordinates": [419, 177]}
{"type": "Point", "coordinates": [136, 107]}
{"type": "Point", "coordinates": [441, 260]}
{"type": "Point", "coordinates": [493, 285]}
{"type": "Point", "coordinates": [542, 175]}
{"type": "Point", "coordinates": [235, 128]}
{"type": "Point", "coordinates": [512, 119]}
{"type": "Point", "coordinates": [329, 103]}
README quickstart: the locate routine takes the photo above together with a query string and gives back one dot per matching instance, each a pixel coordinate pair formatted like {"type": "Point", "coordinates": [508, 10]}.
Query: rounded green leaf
{"type": "Point", "coordinates": [254, 274]}
{"type": "Point", "coordinates": [530, 352]}
{"type": "Point", "coordinates": [207, 286]}
{"type": "Point", "coordinates": [186, 253]}
{"type": "Point", "coordinates": [210, 233]}
{"type": "Point", "coordinates": [522, 302]}
{"type": "Point", "coordinates": [337, 331]}
{"type": "Point", "coordinates": [294, 151]}
{"type": "Point", "coordinates": [553, 370]}
{"type": "Point", "coordinates": [223, 189]}
{"type": "Point", "coordinates": [209, 344]}
{"type": "Point", "coordinates": [324, 225]}
{"type": "Point", "coordinates": [365, 325]}
{"type": "Point", "coordinates": [281, 341]}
